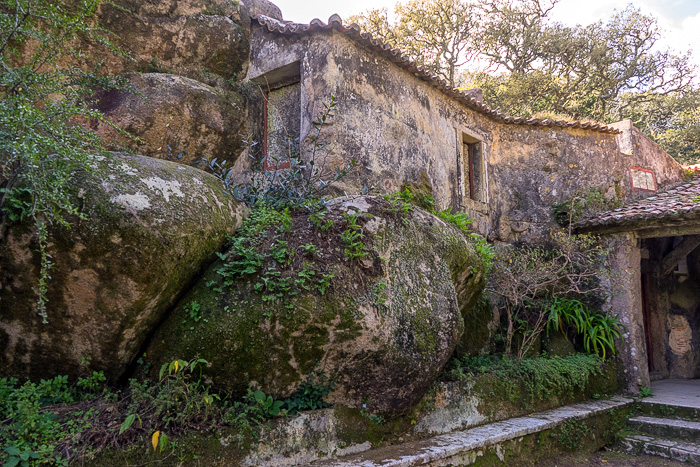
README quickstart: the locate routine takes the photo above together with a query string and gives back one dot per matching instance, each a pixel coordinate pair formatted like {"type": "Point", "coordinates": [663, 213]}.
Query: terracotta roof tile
{"type": "Point", "coordinates": [354, 32]}
{"type": "Point", "coordinates": [682, 201]}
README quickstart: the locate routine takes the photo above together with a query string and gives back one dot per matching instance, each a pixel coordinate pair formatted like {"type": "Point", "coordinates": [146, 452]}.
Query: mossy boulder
{"type": "Point", "coordinates": [207, 40]}
{"type": "Point", "coordinates": [148, 227]}
{"type": "Point", "coordinates": [185, 38]}
{"type": "Point", "coordinates": [381, 318]}
{"type": "Point", "coordinates": [174, 118]}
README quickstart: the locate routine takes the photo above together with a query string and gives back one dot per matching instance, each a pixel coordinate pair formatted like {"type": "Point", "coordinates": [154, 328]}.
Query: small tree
{"type": "Point", "coordinates": [437, 34]}
{"type": "Point", "coordinates": [41, 104]}
{"type": "Point", "coordinates": [525, 279]}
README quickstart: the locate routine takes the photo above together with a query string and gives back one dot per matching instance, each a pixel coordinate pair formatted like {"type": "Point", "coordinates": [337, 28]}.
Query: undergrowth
{"type": "Point", "coordinates": [542, 377]}
{"type": "Point", "coordinates": [404, 200]}
{"type": "Point", "coordinates": [54, 422]}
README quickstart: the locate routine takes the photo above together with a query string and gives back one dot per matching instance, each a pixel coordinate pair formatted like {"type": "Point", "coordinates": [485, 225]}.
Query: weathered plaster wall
{"type": "Point", "coordinates": [397, 126]}
{"type": "Point", "coordinates": [640, 151]}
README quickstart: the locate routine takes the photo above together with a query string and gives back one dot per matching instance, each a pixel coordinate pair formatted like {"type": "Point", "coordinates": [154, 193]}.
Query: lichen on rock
{"type": "Point", "coordinates": [174, 118]}
{"type": "Point", "coordinates": [148, 227]}
{"type": "Point", "coordinates": [383, 328]}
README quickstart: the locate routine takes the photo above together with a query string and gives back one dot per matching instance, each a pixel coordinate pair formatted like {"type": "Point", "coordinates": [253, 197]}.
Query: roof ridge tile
{"type": "Point", "coordinates": [354, 32]}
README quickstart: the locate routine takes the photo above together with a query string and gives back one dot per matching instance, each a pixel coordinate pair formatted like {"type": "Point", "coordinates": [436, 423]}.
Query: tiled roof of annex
{"type": "Point", "coordinates": [353, 31]}
{"type": "Point", "coordinates": [675, 204]}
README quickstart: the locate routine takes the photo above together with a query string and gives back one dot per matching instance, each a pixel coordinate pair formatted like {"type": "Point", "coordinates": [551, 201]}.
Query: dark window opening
{"type": "Point", "coordinates": [473, 168]}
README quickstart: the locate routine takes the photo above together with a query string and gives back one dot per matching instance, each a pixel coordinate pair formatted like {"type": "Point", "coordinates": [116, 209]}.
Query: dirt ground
{"type": "Point", "coordinates": [608, 458]}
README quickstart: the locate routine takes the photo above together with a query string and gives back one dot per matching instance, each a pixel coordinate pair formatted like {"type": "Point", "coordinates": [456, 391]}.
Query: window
{"type": "Point", "coordinates": [279, 129]}
{"type": "Point", "coordinates": [473, 163]}
{"type": "Point", "coordinates": [282, 125]}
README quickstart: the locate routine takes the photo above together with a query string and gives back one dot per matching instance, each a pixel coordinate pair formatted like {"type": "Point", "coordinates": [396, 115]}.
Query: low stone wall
{"type": "Point", "coordinates": [340, 431]}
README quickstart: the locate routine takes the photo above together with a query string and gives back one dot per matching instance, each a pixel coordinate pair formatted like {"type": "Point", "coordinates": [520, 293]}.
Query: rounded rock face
{"type": "Point", "coordinates": [175, 118]}
{"type": "Point", "coordinates": [380, 319]}
{"type": "Point", "coordinates": [149, 227]}
{"type": "Point", "coordinates": [182, 37]}
{"type": "Point", "coordinates": [265, 8]}
{"type": "Point", "coordinates": [207, 40]}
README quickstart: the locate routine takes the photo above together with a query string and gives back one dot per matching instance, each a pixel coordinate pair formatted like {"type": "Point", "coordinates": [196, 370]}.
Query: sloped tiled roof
{"type": "Point", "coordinates": [353, 31]}
{"type": "Point", "coordinates": [673, 205]}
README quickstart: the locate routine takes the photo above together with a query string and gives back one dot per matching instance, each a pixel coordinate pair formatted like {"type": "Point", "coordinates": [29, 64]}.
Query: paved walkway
{"type": "Point", "coordinates": [678, 392]}
{"type": "Point", "coordinates": [449, 448]}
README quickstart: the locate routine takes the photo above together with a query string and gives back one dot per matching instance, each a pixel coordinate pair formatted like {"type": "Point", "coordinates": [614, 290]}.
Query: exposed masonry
{"type": "Point", "coordinates": [440, 449]}
{"type": "Point", "coordinates": [353, 31]}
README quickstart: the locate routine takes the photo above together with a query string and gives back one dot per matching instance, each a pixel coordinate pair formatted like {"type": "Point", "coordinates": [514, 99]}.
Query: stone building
{"type": "Point", "coordinates": [657, 254]}
{"type": "Point", "coordinates": [401, 124]}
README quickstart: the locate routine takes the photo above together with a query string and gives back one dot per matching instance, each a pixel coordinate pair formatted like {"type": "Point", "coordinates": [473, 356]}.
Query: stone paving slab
{"type": "Point", "coordinates": [676, 392]}
{"type": "Point", "coordinates": [443, 447]}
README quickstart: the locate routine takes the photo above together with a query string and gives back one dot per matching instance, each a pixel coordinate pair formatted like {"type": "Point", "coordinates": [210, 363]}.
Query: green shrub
{"type": "Point", "coordinates": [542, 377]}
{"type": "Point", "coordinates": [310, 394]}
{"type": "Point", "coordinates": [597, 330]}
{"type": "Point", "coordinates": [291, 179]}
{"type": "Point", "coordinates": [41, 142]}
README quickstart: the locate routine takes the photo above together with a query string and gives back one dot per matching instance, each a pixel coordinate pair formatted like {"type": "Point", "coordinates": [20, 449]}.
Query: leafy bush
{"type": "Point", "coordinates": [53, 422]}
{"type": "Point", "coordinates": [310, 394]}
{"type": "Point", "coordinates": [526, 279]}
{"type": "Point", "coordinates": [583, 205]}
{"type": "Point", "coordinates": [30, 432]}
{"type": "Point", "coordinates": [597, 330]}
{"type": "Point", "coordinates": [41, 106]}
{"type": "Point", "coordinates": [292, 179]}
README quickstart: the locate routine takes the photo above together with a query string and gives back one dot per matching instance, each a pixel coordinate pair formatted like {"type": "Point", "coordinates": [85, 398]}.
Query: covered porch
{"type": "Point", "coordinates": [655, 261]}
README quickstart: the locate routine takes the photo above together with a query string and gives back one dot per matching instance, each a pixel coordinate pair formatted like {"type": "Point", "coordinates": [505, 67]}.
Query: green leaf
{"type": "Point", "coordinates": [259, 396]}
{"type": "Point", "coordinates": [127, 423]}
{"type": "Point", "coordinates": [12, 450]}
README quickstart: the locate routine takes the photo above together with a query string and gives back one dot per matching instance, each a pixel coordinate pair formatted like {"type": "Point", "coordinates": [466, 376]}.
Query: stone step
{"type": "Point", "coordinates": [681, 451]}
{"type": "Point", "coordinates": [466, 447]}
{"type": "Point", "coordinates": [666, 428]}
{"type": "Point", "coordinates": [670, 409]}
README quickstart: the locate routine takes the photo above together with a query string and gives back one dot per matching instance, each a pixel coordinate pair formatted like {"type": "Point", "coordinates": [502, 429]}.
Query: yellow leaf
{"type": "Point", "coordinates": [154, 439]}
{"type": "Point", "coordinates": [177, 365]}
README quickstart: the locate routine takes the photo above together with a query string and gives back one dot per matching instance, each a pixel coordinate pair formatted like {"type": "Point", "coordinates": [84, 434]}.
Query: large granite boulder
{"type": "Point", "coordinates": [182, 37]}
{"type": "Point", "coordinates": [175, 118]}
{"type": "Point", "coordinates": [370, 294]}
{"type": "Point", "coordinates": [264, 7]}
{"type": "Point", "coordinates": [206, 40]}
{"type": "Point", "coordinates": [149, 227]}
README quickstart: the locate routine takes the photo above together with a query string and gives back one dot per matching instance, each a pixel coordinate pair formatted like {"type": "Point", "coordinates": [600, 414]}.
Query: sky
{"type": "Point", "coordinates": [679, 19]}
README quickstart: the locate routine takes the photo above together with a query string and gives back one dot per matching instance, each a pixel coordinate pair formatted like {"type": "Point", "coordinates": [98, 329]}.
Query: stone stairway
{"type": "Point", "coordinates": [668, 424]}
{"type": "Point", "coordinates": [518, 441]}
{"type": "Point", "coordinates": [665, 437]}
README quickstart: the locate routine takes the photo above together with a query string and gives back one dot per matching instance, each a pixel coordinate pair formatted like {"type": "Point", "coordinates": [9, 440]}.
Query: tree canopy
{"type": "Point", "coordinates": [529, 65]}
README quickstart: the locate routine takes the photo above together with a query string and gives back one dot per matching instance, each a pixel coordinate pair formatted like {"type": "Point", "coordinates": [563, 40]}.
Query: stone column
{"type": "Point", "coordinates": [626, 303]}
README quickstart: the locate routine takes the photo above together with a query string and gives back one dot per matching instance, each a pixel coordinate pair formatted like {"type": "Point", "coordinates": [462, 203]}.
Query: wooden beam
{"type": "Point", "coordinates": [683, 249]}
